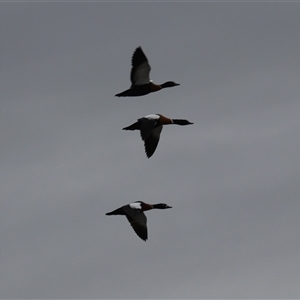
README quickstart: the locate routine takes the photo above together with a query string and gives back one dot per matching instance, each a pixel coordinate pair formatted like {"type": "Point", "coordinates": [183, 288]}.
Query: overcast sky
{"type": "Point", "coordinates": [233, 178]}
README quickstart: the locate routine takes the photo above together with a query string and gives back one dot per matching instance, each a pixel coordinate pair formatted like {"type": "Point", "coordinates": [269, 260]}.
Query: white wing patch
{"type": "Point", "coordinates": [152, 117]}
{"type": "Point", "coordinates": [141, 74]}
{"type": "Point", "coordinates": [135, 205]}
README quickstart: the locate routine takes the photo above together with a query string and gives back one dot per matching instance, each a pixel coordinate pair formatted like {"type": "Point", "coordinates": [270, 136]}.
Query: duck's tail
{"type": "Point", "coordinates": [134, 126]}
{"type": "Point", "coordinates": [118, 211]}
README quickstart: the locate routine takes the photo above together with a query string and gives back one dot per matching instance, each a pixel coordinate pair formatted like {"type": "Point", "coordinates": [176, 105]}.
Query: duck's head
{"type": "Point", "coordinates": [161, 206]}
{"type": "Point", "coordinates": [169, 84]}
{"type": "Point", "coordinates": [181, 122]}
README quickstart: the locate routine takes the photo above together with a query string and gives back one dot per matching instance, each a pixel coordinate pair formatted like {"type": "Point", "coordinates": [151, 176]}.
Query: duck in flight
{"type": "Point", "coordinates": [150, 128]}
{"type": "Point", "coordinates": [134, 213]}
{"type": "Point", "coordinates": [139, 76]}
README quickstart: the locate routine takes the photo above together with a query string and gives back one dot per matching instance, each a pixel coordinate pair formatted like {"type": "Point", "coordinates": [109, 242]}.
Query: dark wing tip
{"type": "Point", "coordinates": [148, 153]}
{"type": "Point", "coordinates": [140, 231]}
{"type": "Point", "coordinates": [142, 235]}
{"type": "Point", "coordinates": [138, 57]}
{"type": "Point", "coordinates": [150, 145]}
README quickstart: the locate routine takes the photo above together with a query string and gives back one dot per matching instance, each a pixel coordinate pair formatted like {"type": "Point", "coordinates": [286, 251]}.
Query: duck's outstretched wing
{"type": "Point", "coordinates": [147, 125]}
{"type": "Point", "coordinates": [140, 70]}
{"type": "Point", "coordinates": [138, 221]}
{"type": "Point", "coordinates": [152, 141]}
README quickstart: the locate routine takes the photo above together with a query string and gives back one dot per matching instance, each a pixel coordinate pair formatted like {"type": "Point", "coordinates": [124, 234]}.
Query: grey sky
{"type": "Point", "coordinates": [232, 177]}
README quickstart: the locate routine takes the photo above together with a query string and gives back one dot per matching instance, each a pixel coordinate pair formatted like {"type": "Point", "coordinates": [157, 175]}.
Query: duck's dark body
{"type": "Point", "coordinates": [136, 217]}
{"type": "Point", "coordinates": [140, 77]}
{"type": "Point", "coordinates": [140, 90]}
{"type": "Point", "coordinates": [151, 127]}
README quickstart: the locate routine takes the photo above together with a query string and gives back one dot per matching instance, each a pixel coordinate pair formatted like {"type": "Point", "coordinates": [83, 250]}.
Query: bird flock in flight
{"type": "Point", "coordinates": [150, 128]}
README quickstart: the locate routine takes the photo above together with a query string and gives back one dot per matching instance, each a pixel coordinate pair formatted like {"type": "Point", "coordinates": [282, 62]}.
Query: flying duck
{"type": "Point", "coordinates": [139, 76]}
{"type": "Point", "coordinates": [136, 217]}
{"type": "Point", "coordinates": [151, 127]}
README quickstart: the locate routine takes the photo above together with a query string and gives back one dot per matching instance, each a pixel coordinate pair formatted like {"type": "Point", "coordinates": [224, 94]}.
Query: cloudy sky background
{"type": "Point", "coordinates": [233, 178]}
